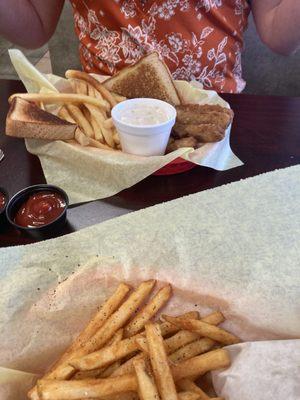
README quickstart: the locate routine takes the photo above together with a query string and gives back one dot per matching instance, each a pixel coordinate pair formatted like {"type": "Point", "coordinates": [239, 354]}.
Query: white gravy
{"type": "Point", "coordinates": [143, 115]}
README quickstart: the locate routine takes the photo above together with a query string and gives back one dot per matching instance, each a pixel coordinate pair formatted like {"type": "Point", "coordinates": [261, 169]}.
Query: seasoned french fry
{"type": "Point", "coordinates": [187, 384]}
{"type": "Point", "coordinates": [199, 365]}
{"type": "Point", "coordinates": [149, 310]}
{"type": "Point", "coordinates": [81, 138]}
{"type": "Point", "coordinates": [127, 367]}
{"type": "Point", "coordinates": [214, 318]}
{"type": "Point", "coordinates": [73, 74]}
{"type": "Point", "coordinates": [192, 349]}
{"type": "Point", "coordinates": [142, 344]}
{"type": "Point", "coordinates": [204, 329]}
{"type": "Point", "coordinates": [188, 396]}
{"type": "Point", "coordinates": [109, 370]}
{"type": "Point", "coordinates": [81, 120]}
{"type": "Point", "coordinates": [93, 373]}
{"type": "Point", "coordinates": [122, 396]}
{"type": "Point", "coordinates": [118, 336]}
{"type": "Point", "coordinates": [60, 98]}
{"type": "Point", "coordinates": [106, 355]}
{"type": "Point", "coordinates": [89, 388]}
{"type": "Point", "coordinates": [146, 386]}
{"type": "Point", "coordinates": [167, 328]}
{"type": "Point", "coordinates": [119, 318]}
{"type": "Point", "coordinates": [159, 361]}
{"type": "Point", "coordinates": [185, 337]}
{"type": "Point", "coordinates": [62, 371]}
{"type": "Point", "coordinates": [64, 114]}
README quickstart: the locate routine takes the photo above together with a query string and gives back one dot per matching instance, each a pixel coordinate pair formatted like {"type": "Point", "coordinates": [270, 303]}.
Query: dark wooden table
{"type": "Point", "coordinates": [265, 135]}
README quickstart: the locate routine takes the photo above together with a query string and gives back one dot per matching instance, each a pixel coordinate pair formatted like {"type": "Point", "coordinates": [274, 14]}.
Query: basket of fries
{"type": "Point", "coordinates": [71, 117]}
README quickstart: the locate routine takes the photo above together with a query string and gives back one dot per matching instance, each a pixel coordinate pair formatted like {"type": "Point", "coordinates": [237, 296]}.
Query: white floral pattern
{"type": "Point", "coordinates": [200, 55]}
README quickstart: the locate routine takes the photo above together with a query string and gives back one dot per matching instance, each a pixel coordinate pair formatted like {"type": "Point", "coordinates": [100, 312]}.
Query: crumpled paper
{"type": "Point", "coordinates": [91, 173]}
{"type": "Point", "coordinates": [234, 249]}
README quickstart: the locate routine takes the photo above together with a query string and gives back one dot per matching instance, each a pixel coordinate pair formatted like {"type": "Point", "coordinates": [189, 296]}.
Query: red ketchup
{"type": "Point", "coordinates": [2, 201]}
{"type": "Point", "coordinates": [40, 209]}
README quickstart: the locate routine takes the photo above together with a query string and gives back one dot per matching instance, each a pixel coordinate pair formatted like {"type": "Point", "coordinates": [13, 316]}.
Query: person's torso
{"type": "Point", "coordinates": [197, 39]}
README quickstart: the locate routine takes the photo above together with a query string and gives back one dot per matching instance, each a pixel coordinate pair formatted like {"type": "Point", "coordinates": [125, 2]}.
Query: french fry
{"type": "Point", "coordinates": [109, 370]}
{"type": "Point", "coordinates": [93, 373]}
{"type": "Point", "coordinates": [159, 361]}
{"type": "Point", "coordinates": [118, 336]}
{"type": "Point", "coordinates": [166, 328]}
{"type": "Point", "coordinates": [192, 349]}
{"type": "Point", "coordinates": [64, 114]}
{"type": "Point", "coordinates": [88, 118]}
{"type": "Point", "coordinates": [119, 318]}
{"type": "Point", "coordinates": [116, 137]}
{"type": "Point", "coordinates": [118, 97]}
{"type": "Point", "coordinates": [73, 74]}
{"type": "Point", "coordinates": [81, 138]}
{"type": "Point", "coordinates": [121, 396]}
{"type": "Point", "coordinates": [204, 329]}
{"type": "Point", "coordinates": [188, 385]}
{"type": "Point", "coordinates": [105, 356]}
{"type": "Point", "coordinates": [146, 386]}
{"type": "Point", "coordinates": [185, 337]}
{"type": "Point", "coordinates": [149, 310]}
{"type": "Point", "coordinates": [60, 98]}
{"type": "Point", "coordinates": [62, 371]}
{"type": "Point", "coordinates": [81, 120]}
{"type": "Point", "coordinates": [96, 128]}
{"type": "Point", "coordinates": [108, 136]}
{"type": "Point", "coordinates": [199, 365]}
{"type": "Point", "coordinates": [89, 388]}
{"type": "Point", "coordinates": [215, 318]}
{"type": "Point", "coordinates": [142, 344]}
{"type": "Point", "coordinates": [98, 144]}
{"type": "Point", "coordinates": [188, 396]}
{"type": "Point", "coordinates": [180, 353]}
{"type": "Point", "coordinates": [108, 123]}
{"type": "Point", "coordinates": [127, 367]}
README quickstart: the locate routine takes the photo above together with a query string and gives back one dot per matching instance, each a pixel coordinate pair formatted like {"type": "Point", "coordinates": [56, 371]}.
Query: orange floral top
{"type": "Point", "coordinates": [197, 39]}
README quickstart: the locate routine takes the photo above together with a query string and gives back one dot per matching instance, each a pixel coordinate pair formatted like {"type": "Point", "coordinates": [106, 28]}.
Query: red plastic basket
{"type": "Point", "coordinates": [176, 166]}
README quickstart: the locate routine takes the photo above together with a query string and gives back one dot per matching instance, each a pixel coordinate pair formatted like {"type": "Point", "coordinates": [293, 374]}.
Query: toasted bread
{"type": "Point", "coordinates": [149, 77]}
{"type": "Point", "coordinates": [27, 120]}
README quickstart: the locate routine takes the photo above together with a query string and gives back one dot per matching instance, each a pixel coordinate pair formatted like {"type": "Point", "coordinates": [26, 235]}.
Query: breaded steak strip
{"type": "Point", "coordinates": [204, 114]}
{"type": "Point", "coordinates": [202, 133]}
{"type": "Point", "coordinates": [185, 142]}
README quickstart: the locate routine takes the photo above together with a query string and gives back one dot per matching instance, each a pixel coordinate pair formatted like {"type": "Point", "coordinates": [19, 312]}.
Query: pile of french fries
{"type": "Point", "coordinates": [89, 106]}
{"type": "Point", "coordinates": [123, 354]}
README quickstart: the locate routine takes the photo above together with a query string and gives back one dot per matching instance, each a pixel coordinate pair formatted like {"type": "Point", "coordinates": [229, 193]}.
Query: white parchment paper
{"type": "Point", "coordinates": [87, 173]}
{"type": "Point", "coordinates": [234, 248]}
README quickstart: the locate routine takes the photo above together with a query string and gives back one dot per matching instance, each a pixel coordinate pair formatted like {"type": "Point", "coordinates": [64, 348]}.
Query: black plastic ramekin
{"type": "Point", "coordinates": [43, 231]}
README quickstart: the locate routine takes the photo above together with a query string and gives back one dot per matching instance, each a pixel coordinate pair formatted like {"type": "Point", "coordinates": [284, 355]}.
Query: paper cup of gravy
{"type": "Point", "coordinates": [144, 125]}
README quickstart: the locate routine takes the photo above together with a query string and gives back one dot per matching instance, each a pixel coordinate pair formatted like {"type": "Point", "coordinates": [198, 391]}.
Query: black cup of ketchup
{"type": "Point", "coordinates": [3, 204]}
{"type": "Point", "coordinates": [40, 211]}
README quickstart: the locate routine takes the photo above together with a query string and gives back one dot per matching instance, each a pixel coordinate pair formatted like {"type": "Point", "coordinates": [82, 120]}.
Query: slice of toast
{"type": "Point", "coordinates": [149, 77]}
{"type": "Point", "coordinates": [27, 120]}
